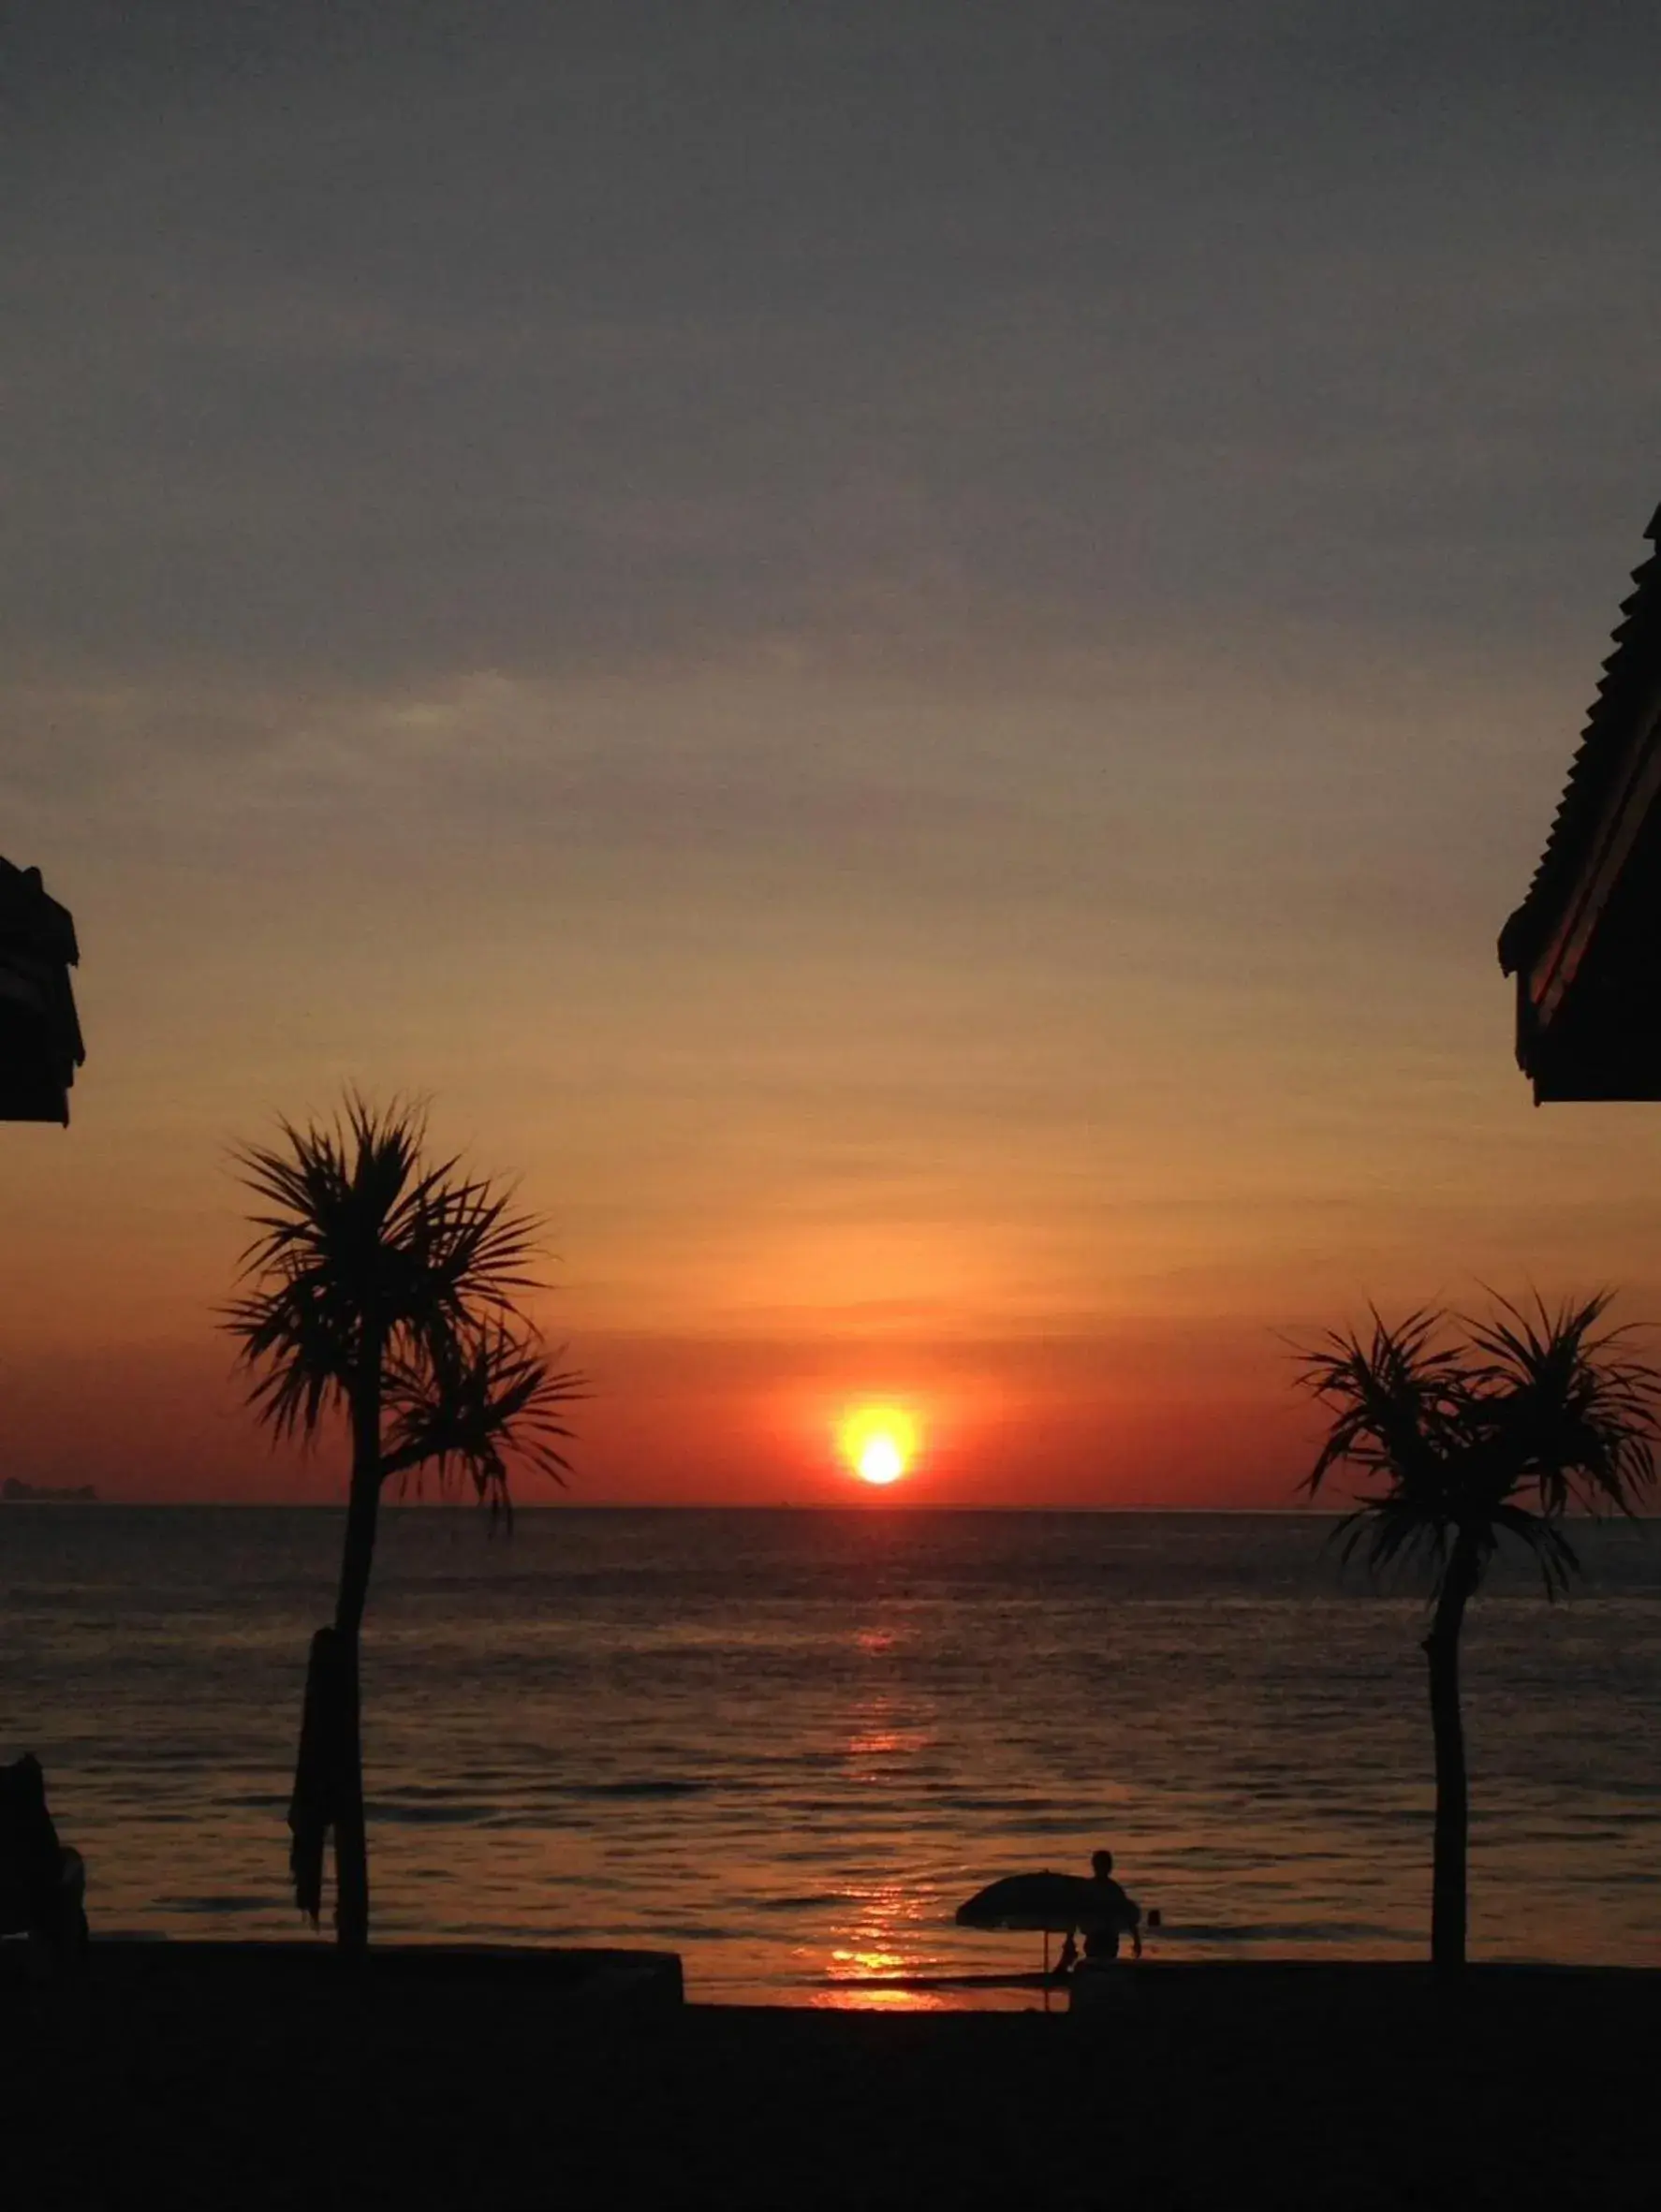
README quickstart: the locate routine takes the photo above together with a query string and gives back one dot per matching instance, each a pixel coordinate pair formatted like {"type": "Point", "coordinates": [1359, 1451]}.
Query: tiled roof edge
{"type": "Point", "coordinates": [1630, 673]}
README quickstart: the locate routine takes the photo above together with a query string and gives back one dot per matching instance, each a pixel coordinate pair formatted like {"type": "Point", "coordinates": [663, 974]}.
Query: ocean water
{"type": "Point", "coordinates": [787, 1744]}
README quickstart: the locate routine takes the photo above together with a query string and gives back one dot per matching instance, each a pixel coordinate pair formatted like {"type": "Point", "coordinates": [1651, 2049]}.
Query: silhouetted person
{"type": "Point", "coordinates": [42, 1885]}
{"type": "Point", "coordinates": [1110, 1914]}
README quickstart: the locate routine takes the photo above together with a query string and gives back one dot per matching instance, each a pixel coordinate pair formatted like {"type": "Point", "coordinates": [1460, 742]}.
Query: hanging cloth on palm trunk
{"type": "Point", "coordinates": [320, 1773]}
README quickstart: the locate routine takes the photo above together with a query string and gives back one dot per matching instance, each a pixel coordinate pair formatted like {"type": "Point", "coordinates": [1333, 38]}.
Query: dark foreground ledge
{"type": "Point", "coordinates": [298, 1973]}
{"type": "Point", "coordinates": [236, 2075]}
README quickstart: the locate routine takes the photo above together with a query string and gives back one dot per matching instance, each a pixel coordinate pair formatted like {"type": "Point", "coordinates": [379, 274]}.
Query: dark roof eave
{"type": "Point", "coordinates": [1622, 719]}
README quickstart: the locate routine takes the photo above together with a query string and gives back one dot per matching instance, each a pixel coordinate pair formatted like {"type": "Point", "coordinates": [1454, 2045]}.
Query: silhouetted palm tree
{"type": "Point", "coordinates": [384, 1286]}
{"type": "Point", "coordinates": [1500, 1435]}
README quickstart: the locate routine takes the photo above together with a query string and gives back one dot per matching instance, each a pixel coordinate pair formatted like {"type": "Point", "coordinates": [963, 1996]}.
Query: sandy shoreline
{"type": "Point", "coordinates": [232, 2081]}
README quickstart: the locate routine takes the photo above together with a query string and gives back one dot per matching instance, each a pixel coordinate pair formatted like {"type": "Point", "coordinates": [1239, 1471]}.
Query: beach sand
{"type": "Point", "coordinates": [167, 2076]}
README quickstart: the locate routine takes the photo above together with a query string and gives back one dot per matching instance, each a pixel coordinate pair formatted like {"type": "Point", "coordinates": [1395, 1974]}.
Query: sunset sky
{"type": "Point", "coordinates": [907, 653]}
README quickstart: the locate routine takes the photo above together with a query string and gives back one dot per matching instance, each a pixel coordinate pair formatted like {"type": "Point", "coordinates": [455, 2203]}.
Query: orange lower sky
{"type": "Point", "coordinates": [1059, 1173]}
{"type": "Point", "coordinates": [1058, 1165]}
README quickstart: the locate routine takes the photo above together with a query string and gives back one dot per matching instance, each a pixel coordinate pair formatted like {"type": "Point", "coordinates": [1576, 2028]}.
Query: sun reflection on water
{"type": "Point", "coordinates": [879, 1948]}
{"type": "Point", "coordinates": [881, 1941]}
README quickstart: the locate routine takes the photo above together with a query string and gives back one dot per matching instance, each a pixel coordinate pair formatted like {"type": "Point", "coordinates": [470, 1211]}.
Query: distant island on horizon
{"type": "Point", "coordinates": [15, 1491]}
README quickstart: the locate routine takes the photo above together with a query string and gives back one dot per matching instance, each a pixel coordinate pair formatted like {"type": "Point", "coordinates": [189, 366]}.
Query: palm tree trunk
{"type": "Point", "coordinates": [351, 1844]}
{"type": "Point", "coordinates": [1449, 1853]}
{"type": "Point", "coordinates": [363, 1510]}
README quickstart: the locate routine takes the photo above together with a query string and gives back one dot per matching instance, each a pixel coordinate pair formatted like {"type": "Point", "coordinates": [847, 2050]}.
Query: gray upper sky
{"type": "Point", "coordinates": [345, 341]}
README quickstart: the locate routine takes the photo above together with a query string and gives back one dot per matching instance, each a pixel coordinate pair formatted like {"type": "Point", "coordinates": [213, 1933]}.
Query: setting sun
{"type": "Point", "coordinates": [879, 1442]}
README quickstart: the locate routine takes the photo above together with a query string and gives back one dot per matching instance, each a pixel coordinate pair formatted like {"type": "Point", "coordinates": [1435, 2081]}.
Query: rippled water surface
{"type": "Point", "coordinates": [786, 1745]}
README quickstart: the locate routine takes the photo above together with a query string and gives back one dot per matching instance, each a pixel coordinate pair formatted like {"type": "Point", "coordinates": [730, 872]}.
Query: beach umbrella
{"type": "Point", "coordinates": [1046, 1903]}
{"type": "Point", "coordinates": [1053, 1904]}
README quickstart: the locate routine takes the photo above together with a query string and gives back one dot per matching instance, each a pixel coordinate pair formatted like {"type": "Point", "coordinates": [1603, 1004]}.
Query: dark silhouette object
{"type": "Point", "coordinates": [40, 1045]}
{"type": "Point", "coordinates": [384, 1285]}
{"type": "Point", "coordinates": [325, 1785]}
{"type": "Point", "coordinates": [17, 1492]}
{"type": "Point", "coordinates": [42, 1885]}
{"type": "Point", "coordinates": [1112, 1915]}
{"type": "Point", "coordinates": [1061, 1905]}
{"type": "Point", "coordinates": [1497, 1436]}
{"type": "Point", "coordinates": [1585, 945]}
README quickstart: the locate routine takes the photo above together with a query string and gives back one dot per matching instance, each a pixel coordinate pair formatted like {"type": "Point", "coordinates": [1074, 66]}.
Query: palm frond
{"type": "Point", "coordinates": [488, 1398]}
{"type": "Point", "coordinates": [1393, 1396]}
{"type": "Point", "coordinates": [1541, 1534]}
{"type": "Point", "coordinates": [1579, 1417]}
{"type": "Point", "coordinates": [371, 1262]}
{"type": "Point", "coordinates": [1467, 1444]}
{"type": "Point", "coordinates": [1385, 1532]}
